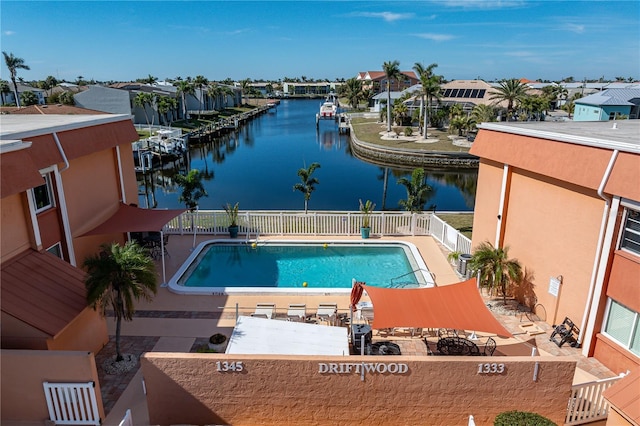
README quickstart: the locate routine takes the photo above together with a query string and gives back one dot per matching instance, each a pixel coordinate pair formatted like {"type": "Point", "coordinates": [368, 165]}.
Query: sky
{"type": "Point", "coordinates": [271, 40]}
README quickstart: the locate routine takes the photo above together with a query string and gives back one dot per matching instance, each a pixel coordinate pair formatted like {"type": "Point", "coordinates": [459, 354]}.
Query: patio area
{"type": "Point", "coordinates": [183, 323]}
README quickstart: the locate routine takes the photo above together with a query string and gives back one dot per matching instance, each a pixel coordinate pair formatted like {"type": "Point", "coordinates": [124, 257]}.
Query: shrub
{"type": "Point", "coordinates": [217, 339]}
{"type": "Point", "coordinates": [408, 131]}
{"type": "Point", "coordinates": [521, 418]}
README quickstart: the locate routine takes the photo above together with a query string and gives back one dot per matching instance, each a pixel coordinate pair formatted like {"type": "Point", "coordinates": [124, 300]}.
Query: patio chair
{"type": "Point", "coordinates": [264, 310]}
{"type": "Point", "coordinates": [297, 312]}
{"type": "Point", "coordinates": [489, 347]}
{"type": "Point", "coordinates": [327, 312]}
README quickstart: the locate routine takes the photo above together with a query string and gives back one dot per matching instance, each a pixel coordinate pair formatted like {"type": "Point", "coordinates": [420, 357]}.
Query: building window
{"type": "Point", "coordinates": [621, 325]}
{"type": "Point", "coordinates": [43, 195]}
{"type": "Point", "coordinates": [631, 232]}
{"type": "Point", "coordinates": [56, 250]}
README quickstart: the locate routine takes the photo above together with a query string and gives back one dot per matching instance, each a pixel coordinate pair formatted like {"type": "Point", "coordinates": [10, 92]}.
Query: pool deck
{"type": "Point", "coordinates": [178, 323]}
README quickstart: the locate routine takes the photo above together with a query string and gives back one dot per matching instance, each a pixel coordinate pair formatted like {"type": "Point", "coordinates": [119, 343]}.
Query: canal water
{"type": "Point", "coordinates": [257, 167]}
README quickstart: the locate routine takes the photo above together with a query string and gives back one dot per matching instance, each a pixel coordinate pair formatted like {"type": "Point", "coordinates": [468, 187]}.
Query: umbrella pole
{"type": "Point", "coordinates": [164, 270]}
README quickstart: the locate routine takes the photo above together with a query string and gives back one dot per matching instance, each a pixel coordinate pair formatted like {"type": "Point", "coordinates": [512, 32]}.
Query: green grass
{"type": "Point", "coordinates": [462, 222]}
{"type": "Point", "coordinates": [368, 130]}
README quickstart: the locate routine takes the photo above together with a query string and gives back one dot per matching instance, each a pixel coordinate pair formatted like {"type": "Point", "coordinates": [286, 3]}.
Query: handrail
{"type": "Point", "coordinates": [413, 272]}
{"type": "Point", "coordinates": [587, 404]}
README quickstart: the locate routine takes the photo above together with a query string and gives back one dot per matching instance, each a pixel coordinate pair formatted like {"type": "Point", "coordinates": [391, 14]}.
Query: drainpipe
{"type": "Point", "coordinates": [122, 191]}
{"type": "Point", "coordinates": [63, 202]}
{"type": "Point", "coordinates": [599, 247]}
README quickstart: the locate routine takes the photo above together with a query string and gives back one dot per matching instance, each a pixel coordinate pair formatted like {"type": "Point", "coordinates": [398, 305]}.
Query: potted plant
{"type": "Point", "coordinates": [217, 342]}
{"type": "Point", "coordinates": [232, 215]}
{"type": "Point", "coordinates": [366, 208]}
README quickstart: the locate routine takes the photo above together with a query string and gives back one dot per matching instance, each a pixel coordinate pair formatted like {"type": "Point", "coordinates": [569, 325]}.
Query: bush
{"type": "Point", "coordinates": [521, 418]}
{"type": "Point", "coordinates": [217, 339]}
{"type": "Point", "coordinates": [408, 131]}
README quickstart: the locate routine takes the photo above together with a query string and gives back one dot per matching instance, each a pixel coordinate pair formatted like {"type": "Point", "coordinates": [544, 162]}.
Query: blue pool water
{"type": "Point", "coordinates": [288, 266]}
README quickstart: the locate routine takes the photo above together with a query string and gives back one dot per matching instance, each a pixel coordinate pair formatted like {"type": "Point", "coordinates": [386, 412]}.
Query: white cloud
{"type": "Point", "coordinates": [9, 33]}
{"type": "Point", "coordinates": [482, 4]}
{"type": "Point", "coordinates": [575, 28]}
{"type": "Point", "coordinates": [387, 16]}
{"type": "Point", "coordinates": [435, 37]}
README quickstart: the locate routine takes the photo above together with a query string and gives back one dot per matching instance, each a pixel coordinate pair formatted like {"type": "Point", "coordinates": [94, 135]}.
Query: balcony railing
{"type": "Point", "coordinates": [317, 223]}
{"type": "Point", "coordinates": [586, 404]}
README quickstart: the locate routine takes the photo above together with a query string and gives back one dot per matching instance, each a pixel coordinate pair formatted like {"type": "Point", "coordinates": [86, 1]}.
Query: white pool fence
{"type": "Point", "coordinates": [253, 224]}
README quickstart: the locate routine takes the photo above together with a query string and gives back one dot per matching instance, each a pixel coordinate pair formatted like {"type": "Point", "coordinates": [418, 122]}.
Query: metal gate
{"type": "Point", "coordinates": [72, 403]}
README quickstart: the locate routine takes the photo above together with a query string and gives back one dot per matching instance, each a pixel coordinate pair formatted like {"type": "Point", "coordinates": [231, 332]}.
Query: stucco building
{"type": "Point", "coordinates": [565, 199]}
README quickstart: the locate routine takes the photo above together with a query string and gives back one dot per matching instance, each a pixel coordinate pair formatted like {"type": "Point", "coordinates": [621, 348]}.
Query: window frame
{"type": "Point", "coordinates": [624, 229]}
{"type": "Point", "coordinates": [56, 249]}
{"type": "Point", "coordinates": [49, 190]}
{"type": "Point", "coordinates": [633, 330]}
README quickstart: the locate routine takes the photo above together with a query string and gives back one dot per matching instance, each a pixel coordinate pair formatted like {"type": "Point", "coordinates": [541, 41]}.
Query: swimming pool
{"type": "Point", "coordinates": [226, 266]}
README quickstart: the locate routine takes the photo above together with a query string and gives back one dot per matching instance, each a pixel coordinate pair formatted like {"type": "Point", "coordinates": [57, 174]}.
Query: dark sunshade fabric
{"type": "Point", "coordinates": [134, 219]}
{"type": "Point", "coordinates": [457, 306]}
{"type": "Point", "coordinates": [356, 294]}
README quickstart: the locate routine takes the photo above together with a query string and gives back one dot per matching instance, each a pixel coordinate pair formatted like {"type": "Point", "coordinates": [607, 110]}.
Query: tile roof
{"type": "Point", "coordinates": [625, 397]}
{"type": "Point", "coordinates": [43, 291]}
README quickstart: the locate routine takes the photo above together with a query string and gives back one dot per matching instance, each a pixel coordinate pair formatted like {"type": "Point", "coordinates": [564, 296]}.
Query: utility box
{"type": "Point", "coordinates": [463, 265]}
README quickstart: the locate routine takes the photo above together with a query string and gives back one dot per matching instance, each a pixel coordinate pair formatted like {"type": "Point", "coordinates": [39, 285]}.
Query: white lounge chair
{"type": "Point", "coordinates": [264, 310]}
{"type": "Point", "coordinates": [327, 312]}
{"type": "Point", "coordinates": [297, 312]}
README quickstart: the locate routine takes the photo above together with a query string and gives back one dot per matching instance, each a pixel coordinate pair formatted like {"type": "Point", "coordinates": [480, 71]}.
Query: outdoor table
{"type": "Point", "coordinates": [457, 346]}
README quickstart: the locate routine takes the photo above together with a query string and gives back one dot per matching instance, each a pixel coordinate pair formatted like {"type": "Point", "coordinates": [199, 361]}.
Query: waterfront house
{"type": "Point", "coordinates": [610, 104]}
{"type": "Point", "coordinates": [376, 81]}
{"type": "Point", "coordinates": [565, 198]}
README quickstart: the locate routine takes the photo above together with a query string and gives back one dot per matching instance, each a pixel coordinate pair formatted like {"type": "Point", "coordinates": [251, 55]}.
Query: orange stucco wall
{"type": "Point", "coordinates": [188, 389]}
{"type": "Point", "coordinates": [613, 356]}
{"type": "Point", "coordinates": [13, 227]}
{"type": "Point", "coordinates": [17, 334]}
{"type": "Point", "coordinates": [616, 419]}
{"type": "Point", "coordinates": [487, 202]}
{"type": "Point", "coordinates": [88, 331]}
{"type": "Point", "coordinates": [23, 373]}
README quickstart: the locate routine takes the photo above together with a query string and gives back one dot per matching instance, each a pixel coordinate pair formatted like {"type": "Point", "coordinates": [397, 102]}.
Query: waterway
{"type": "Point", "coordinates": [257, 167]}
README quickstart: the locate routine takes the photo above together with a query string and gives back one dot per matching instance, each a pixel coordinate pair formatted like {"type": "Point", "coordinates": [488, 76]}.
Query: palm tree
{"type": "Point", "coordinates": [391, 71]}
{"type": "Point", "coordinates": [245, 85]}
{"type": "Point", "coordinates": [307, 186]}
{"type": "Point", "coordinates": [185, 88]}
{"type": "Point", "coordinates": [512, 91]}
{"type": "Point", "coordinates": [4, 90]}
{"type": "Point", "coordinates": [417, 191]}
{"type": "Point", "coordinates": [353, 91]}
{"type": "Point", "coordinates": [13, 65]}
{"type": "Point", "coordinates": [430, 88]}
{"type": "Point", "coordinates": [117, 276]}
{"type": "Point", "coordinates": [497, 271]}
{"type": "Point", "coordinates": [192, 188]}
{"type": "Point", "coordinates": [200, 82]}
{"type": "Point", "coordinates": [482, 113]}
{"type": "Point", "coordinates": [143, 100]}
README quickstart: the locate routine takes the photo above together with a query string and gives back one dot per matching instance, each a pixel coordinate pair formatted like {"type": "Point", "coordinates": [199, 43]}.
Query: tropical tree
{"type": "Point", "coordinates": [512, 91]}
{"type": "Point", "coordinates": [184, 88]}
{"type": "Point", "coordinates": [400, 111]}
{"type": "Point", "coordinates": [200, 82]}
{"type": "Point", "coordinates": [462, 123]}
{"type": "Point", "coordinates": [66, 98]}
{"type": "Point", "coordinates": [307, 186]}
{"type": "Point", "coordinates": [417, 191]}
{"type": "Point", "coordinates": [4, 90]}
{"type": "Point", "coordinates": [164, 106]}
{"type": "Point", "coordinates": [429, 89]}
{"type": "Point", "coordinates": [482, 113]}
{"type": "Point", "coordinates": [13, 65]}
{"type": "Point", "coordinates": [116, 277]}
{"type": "Point", "coordinates": [352, 90]}
{"type": "Point", "coordinates": [391, 72]}
{"type": "Point", "coordinates": [143, 100]}
{"type": "Point", "coordinates": [28, 98]}
{"type": "Point", "coordinates": [246, 87]}
{"type": "Point", "coordinates": [497, 271]}
{"type": "Point", "coordinates": [150, 80]}
{"type": "Point", "coordinates": [192, 188]}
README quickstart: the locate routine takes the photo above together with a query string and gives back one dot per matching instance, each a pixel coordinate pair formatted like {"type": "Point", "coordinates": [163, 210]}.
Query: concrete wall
{"type": "Point", "coordinates": [189, 389]}
{"type": "Point", "coordinates": [23, 373]}
{"type": "Point", "coordinates": [88, 331]}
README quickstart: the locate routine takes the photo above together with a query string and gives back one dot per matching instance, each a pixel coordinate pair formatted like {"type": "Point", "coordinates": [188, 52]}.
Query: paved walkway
{"type": "Point", "coordinates": [179, 323]}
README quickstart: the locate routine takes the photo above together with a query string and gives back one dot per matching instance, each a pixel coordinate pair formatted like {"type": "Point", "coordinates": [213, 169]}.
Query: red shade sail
{"type": "Point", "coordinates": [134, 219]}
{"type": "Point", "coordinates": [457, 306]}
{"type": "Point", "coordinates": [356, 294]}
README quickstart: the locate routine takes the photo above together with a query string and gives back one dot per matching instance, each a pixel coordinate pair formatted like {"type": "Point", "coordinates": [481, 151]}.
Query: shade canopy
{"type": "Point", "coordinates": [134, 219]}
{"type": "Point", "coordinates": [457, 306]}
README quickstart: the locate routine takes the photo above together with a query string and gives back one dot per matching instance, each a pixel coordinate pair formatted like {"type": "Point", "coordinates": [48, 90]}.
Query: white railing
{"type": "Point", "coordinates": [127, 420]}
{"type": "Point", "coordinates": [215, 222]}
{"type": "Point", "coordinates": [586, 403]}
{"type": "Point", "coordinates": [72, 403]}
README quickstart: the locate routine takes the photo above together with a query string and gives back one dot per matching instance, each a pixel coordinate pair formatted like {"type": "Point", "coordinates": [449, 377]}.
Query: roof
{"type": "Point", "coordinates": [43, 291]}
{"type": "Point", "coordinates": [134, 219]}
{"type": "Point", "coordinates": [377, 75]}
{"type": "Point", "coordinates": [270, 337]}
{"type": "Point", "coordinates": [458, 306]}
{"type": "Point", "coordinates": [610, 97]}
{"type": "Point", "coordinates": [624, 396]}
{"type": "Point", "coordinates": [15, 126]}
{"type": "Point", "coordinates": [49, 109]}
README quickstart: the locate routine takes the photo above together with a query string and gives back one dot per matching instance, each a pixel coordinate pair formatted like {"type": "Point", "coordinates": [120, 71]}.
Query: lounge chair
{"type": "Point", "coordinates": [297, 312]}
{"type": "Point", "coordinates": [264, 310]}
{"type": "Point", "coordinates": [327, 312]}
